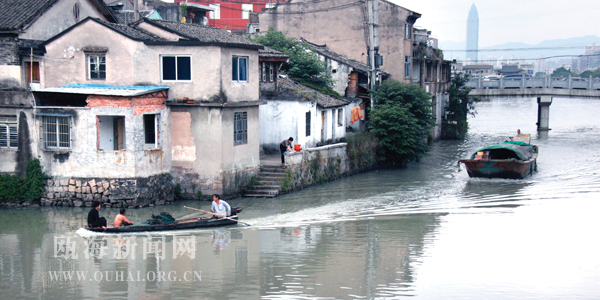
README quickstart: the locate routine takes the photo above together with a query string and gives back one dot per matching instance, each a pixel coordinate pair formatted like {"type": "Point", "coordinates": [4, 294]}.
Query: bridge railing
{"type": "Point", "coordinates": [535, 82]}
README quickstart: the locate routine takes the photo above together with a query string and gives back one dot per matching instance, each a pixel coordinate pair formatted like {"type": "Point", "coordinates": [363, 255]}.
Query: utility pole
{"type": "Point", "coordinates": [136, 10]}
{"type": "Point", "coordinates": [374, 59]}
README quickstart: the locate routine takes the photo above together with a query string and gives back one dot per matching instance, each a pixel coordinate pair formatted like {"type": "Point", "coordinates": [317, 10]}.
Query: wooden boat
{"type": "Point", "coordinates": [515, 159]}
{"type": "Point", "coordinates": [179, 224]}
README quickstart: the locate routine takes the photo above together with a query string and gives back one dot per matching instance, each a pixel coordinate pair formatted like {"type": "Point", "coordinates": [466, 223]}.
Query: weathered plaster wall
{"type": "Point", "coordinates": [339, 73]}
{"type": "Point", "coordinates": [58, 18]}
{"type": "Point", "coordinates": [207, 158]}
{"type": "Point", "coordinates": [281, 119]}
{"type": "Point", "coordinates": [239, 91]}
{"type": "Point", "coordinates": [17, 104]}
{"type": "Point", "coordinates": [65, 62]}
{"type": "Point", "coordinates": [344, 31]}
{"type": "Point", "coordinates": [318, 165]}
{"type": "Point", "coordinates": [85, 160]}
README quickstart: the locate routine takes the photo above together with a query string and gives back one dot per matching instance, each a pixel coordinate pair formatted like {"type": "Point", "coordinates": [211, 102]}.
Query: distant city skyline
{"type": "Point", "coordinates": [506, 21]}
{"type": "Point", "coordinates": [472, 43]}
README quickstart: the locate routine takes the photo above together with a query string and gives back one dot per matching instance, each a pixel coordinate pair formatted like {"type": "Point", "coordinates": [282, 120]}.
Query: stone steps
{"type": "Point", "coordinates": [268, 182]}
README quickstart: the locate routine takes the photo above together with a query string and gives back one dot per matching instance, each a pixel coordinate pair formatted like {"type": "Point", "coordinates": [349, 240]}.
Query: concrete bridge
{"type": "Point", "coordinates": [542, 88]}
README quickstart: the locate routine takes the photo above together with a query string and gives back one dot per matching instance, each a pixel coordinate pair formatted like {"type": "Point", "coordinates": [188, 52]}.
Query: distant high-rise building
{"type": "Point", "coordinates": [472, 34]}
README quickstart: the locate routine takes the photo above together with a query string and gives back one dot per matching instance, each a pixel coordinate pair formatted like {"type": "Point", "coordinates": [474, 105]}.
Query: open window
{"type": "Point", "coordinates": [111, 133]}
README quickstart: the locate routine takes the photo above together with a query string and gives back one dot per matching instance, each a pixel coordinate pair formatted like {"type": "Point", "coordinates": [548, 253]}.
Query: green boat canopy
{"type": "Point", "coordinates": [521, 150]}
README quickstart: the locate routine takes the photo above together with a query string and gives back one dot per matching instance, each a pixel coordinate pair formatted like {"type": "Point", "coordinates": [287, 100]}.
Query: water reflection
{"type": "Point", "coordinates": [423, 231]}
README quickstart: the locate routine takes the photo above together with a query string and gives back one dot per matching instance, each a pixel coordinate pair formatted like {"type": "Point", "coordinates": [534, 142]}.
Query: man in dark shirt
{"type": "Point", "coordinates": [94, 219]}
{"type": "Point", "coordinates": [285, 146]}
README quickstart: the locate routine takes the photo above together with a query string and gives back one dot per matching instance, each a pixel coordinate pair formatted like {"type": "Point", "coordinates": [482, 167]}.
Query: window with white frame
{"type": "Point", "coordinates": [151, 130]}
{"type": "Point", "coordinates": [246, 10]}
{"type": "Point", "coordinates": [240, 128]}
{"type": "Point", "coordinates": [215, 14]}
{"type": "Point", "coordinates": [407, 67]}
{"type": "Point", "coordinates": [268, 72]}
{"type": "Point", "coordinates": [56, 132]}
{"type": "Point", "coordinates": [8, 132]}
{"type": "Point", "coordinates": [176, 67]}
{"type": "Point", "coordinates": [239, 68]}
{"type": "Point", "coordinates": [96, 66]}
{"type": "Point", "coordinates": [340, 117]}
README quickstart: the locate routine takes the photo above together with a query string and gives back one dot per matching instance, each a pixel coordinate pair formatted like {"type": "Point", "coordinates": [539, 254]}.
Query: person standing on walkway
{"type": "Point", "coordinates": [286, 145]}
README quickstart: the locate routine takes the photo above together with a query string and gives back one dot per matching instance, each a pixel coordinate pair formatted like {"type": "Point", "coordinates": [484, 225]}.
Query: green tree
{"type": "Point", "coordinates": [459, 106]}
{"type": "Point", "coordinates": [586, 74]}
{"type": "Point", "coordinates": [303, 65]}
{"type": "Point", "coordinates": [401, 120]}
{"type": "Point", "coordinates": [561, 72]}
{"type": "Point", "coordinates": [13, 188]}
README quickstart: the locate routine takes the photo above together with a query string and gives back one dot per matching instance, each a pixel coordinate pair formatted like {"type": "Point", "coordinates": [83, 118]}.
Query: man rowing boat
{"type": "Point", "coordinates": [220, 207]}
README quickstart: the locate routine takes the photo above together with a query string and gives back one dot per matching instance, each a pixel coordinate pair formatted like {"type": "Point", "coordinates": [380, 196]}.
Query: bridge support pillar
{"type": "Point", "coordinates": [543, 112]}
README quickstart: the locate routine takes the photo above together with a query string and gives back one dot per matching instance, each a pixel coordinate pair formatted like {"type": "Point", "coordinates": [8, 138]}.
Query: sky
{"type": "Point", "coordinates": [527, 21]}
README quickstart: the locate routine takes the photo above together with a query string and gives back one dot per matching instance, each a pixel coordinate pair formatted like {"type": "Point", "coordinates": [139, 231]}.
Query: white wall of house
{"type": "Point", "coordinates": [339, 73]}
{"type": "Point", "coordinates": [281, 119]}
{"type": "Point", "coordinates": [210, 72]}
{"type": "Point", "coordinates": [84, 159]}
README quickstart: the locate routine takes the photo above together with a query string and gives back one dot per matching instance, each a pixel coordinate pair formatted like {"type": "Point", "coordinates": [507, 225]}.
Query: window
{"type": "Point", "coordinates": [56, 132]}
{"type": "Point", "coordinates": [340, 117]}
{"type": "Point", "coordinates": [8, 131]}
{"type": "Point", "coordinates": [151, 130]}
{"type": "Point", "coordinates": [240, 128]}
{"type": "Point", "coordinates": [246, 9]}
{"type": "Point", "coordinates": [32, 72]}
{"type": "Point", "coordinates": [407, 66]}
{"type": "Point", "coordinates": [76, 10]}
{"type": "Point", "coordinates": [408, 32]}
{"type": "Point", "coordinates": [216, 13]}
{"type": "Point", "coordinates": [177, 68]}
{"type": "Point", "coordinates": [239, 68]}
{"type": "Point", "coordinates": [308, 123]}
{"type": "Point", "coordinates": [96, 66]}
{"type": "Point", "coordinates": [111, 133]}
{"type": "Point", "coordinates": [268, 72]}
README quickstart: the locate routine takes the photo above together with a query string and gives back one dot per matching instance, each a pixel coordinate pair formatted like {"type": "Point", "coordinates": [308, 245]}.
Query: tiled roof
{"type": "Point", "coordinates": [322, 49]}
{"type": "Point", "coordinates": [127, 16]}
{"type": "Point", "coordinates": [16, 14]}
{"type": "Point", "coordinates": [131, 31]}
{"type": "Point", "coordinates": [271, 53]}
{"type": "Point", "coordinates": [324, 101]}
{"type": "Point", "coordinates": [204, 34]}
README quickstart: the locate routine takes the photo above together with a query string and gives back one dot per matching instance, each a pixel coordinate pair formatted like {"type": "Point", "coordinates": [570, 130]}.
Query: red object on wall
{"type": "Point", "coordinates": [230, 12]}
{"type": "Point", "coordinates": [297, 147]}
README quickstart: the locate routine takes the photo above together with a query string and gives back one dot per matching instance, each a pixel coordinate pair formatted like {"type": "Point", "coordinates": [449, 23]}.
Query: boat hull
{"type": "Point", "coordinates": [178, 225]}
{"type": "Point", "coordinates": [498, 168]}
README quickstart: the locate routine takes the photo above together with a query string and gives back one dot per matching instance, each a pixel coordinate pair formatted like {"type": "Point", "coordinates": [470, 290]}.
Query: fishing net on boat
{"type": "Point", "coordinates": [162, 218]}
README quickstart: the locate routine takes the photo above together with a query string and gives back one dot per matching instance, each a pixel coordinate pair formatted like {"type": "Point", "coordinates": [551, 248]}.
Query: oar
{"type": "Point", "coordinates": [208, 212]}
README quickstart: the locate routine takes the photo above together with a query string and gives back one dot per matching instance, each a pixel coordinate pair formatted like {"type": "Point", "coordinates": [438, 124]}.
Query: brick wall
{"type": "Point", "coordinates": [141, 104]}
{"type": "Point", "coordinates": [8, 51]}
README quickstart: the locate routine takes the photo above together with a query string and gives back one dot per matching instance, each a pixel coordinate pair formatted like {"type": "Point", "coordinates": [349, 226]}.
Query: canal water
{"type": "Point", "coordinates": [425, 232]}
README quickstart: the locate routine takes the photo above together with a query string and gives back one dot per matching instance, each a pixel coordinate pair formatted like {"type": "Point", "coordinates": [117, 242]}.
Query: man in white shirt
{"type": "Point", "coordinates": [220, 207]}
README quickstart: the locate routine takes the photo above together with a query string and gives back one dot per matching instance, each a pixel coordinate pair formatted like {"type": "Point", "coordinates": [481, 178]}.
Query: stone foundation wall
{"type": "Point", "coordinates": [322, 164]}
{"type": "Point", "coordinates": [117, 192]}
{"type": "Point", "coordinates": [188, 183]}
